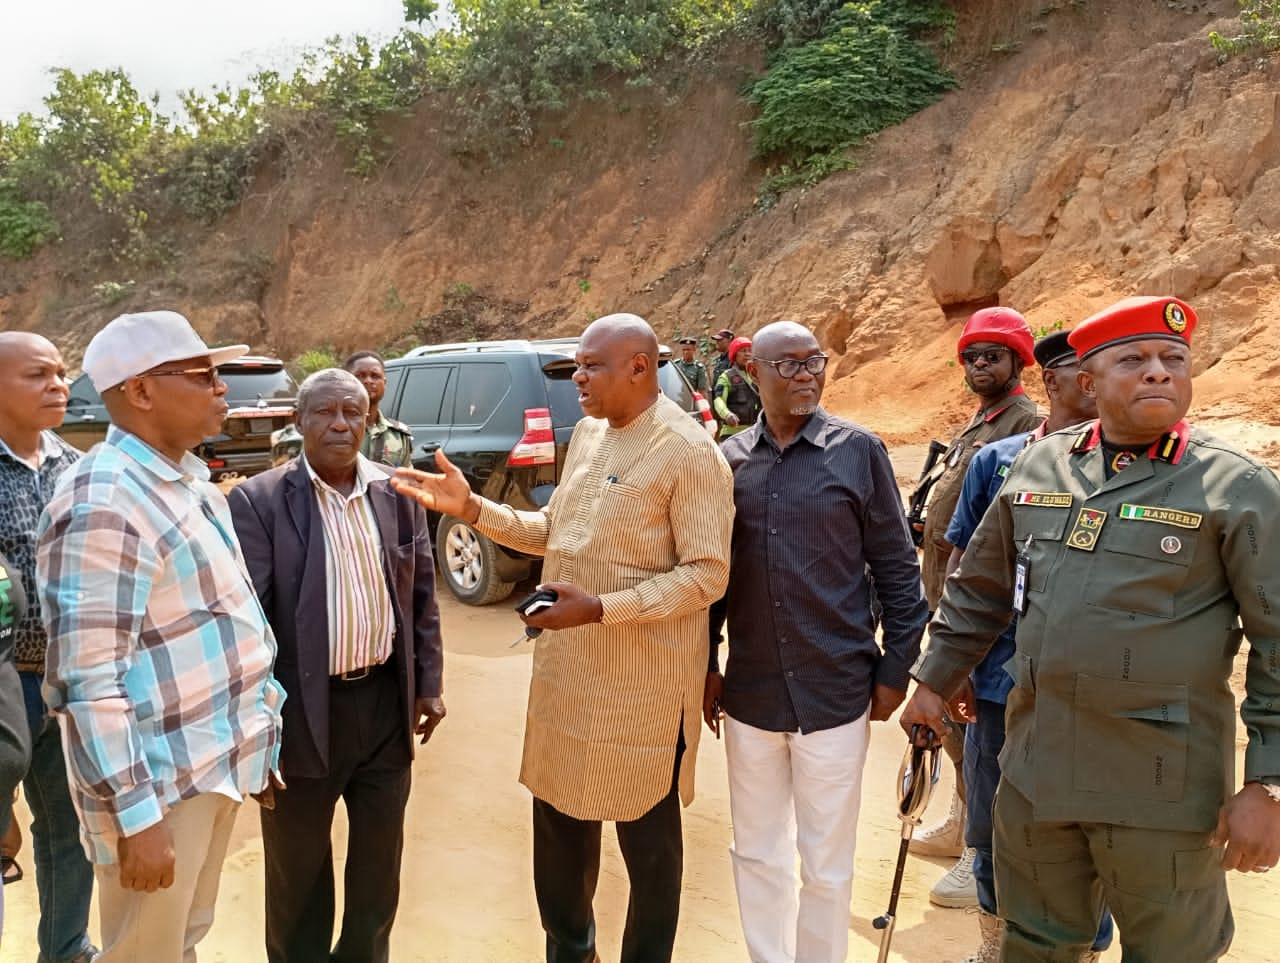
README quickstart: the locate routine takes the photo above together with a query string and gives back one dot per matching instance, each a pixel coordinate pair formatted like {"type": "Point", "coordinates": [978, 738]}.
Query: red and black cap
{"type": "Point", "coordinates": [1134, 319]}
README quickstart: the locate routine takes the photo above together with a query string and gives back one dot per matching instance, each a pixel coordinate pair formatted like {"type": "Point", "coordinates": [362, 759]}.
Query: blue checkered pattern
{"type": "Point", "coordinates": [159, 659]}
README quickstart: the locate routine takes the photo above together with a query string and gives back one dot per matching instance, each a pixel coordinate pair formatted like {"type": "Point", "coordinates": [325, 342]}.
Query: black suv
{"type": "Point", "coordinates": [260, 394]}
{"type": "Point", "coordinates": [503, 411]}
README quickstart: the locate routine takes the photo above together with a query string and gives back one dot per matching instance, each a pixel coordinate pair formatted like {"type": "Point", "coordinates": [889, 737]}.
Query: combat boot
{"type": "Point", "coordinates": [958, 889]}
{"type": "Point", "coordinates": [991, 928]}
{"type": "Point", "coordinates": [944, 839]}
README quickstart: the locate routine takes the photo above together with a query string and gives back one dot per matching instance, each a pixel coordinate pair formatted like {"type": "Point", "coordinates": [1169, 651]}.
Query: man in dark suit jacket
{"type": "Point", "coordinates": [344, 571]}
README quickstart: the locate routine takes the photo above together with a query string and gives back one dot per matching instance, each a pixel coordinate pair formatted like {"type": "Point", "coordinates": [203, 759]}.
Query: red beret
{"type": "Point", "coordinates": [736, 345]}
{"type": "Point", "coordinates": [999, 326]}
{"type": "Point", "coordinates": [1134, 319]}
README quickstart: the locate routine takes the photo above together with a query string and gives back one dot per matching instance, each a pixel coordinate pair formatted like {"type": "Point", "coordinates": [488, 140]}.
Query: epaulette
{"type": "Point", "coordinates": [398, 426]}
{"type": "Point", "coordinates": [1087, 438]}
{"type": "Point", "coordinates": [1170, 446]}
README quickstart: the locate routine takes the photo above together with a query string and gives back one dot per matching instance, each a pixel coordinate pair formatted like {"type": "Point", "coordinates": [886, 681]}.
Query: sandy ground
{"type": "Point", "coordinates": [467, 892]}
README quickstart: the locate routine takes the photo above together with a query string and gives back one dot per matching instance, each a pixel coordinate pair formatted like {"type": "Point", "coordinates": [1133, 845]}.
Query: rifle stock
{"type": "Point", "coordinates": [929, 475]}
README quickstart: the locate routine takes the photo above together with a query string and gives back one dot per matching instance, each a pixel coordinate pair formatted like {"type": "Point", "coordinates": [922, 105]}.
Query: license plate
{"type": "Point", "coordinates": [260, 426]}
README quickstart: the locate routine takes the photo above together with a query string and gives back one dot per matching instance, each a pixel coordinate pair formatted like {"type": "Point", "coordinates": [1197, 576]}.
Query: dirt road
{"type": "Point", "coordinates": [467, 895]}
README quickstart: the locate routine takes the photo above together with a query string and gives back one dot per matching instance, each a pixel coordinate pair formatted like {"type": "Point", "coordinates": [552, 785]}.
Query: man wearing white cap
{"type": "Point", "coordinates": [159, 660]}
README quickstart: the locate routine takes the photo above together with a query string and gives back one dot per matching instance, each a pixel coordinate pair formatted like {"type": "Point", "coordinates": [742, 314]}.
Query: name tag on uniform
{"type": "Point", "coordinates": [1088, 526]}
{"type": "Point", "coordinates": [1167, 516]}
{"type": "Point", "coordinates": [1043, 499]}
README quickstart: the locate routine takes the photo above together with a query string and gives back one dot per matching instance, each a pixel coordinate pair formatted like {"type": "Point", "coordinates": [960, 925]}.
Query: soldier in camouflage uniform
{"type": "Point", "coordinates": [386, 441]}
{"type": "Point", "coordinates": [1137, 552]}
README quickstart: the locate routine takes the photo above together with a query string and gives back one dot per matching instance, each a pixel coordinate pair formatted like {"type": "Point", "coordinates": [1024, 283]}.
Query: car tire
{"type": "Point", "coordinates": [469, 563]}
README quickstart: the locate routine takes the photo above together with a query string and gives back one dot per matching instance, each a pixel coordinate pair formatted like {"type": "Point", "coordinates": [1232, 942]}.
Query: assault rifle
{"type": "Point", "coordinates": [934, 466]}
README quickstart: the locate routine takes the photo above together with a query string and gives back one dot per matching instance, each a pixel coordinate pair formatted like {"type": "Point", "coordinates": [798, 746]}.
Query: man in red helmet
{"type": "Point", "coordinates": [994, 347]}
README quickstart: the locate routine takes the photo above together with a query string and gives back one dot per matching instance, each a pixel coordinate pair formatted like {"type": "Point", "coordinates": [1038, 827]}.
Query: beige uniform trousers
{"type": "Point", "coordinates": [165, 926]}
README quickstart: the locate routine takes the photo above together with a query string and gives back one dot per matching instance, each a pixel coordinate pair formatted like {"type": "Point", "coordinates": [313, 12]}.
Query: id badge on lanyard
{"type": "Point", "coordinates": [1021, 573]}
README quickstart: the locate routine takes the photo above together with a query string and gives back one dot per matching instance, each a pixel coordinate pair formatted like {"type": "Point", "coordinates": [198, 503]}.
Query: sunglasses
{"type": "Point", "coordinates": [207, 377]}
{"type": "Point", "coordinates": [790, 367]}
{"type": "Point", "coordinates": [990, 355]}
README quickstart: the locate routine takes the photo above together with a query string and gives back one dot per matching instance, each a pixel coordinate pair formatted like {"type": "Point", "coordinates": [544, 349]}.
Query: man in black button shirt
{"type": "Point", "coordinates": [817, 507]}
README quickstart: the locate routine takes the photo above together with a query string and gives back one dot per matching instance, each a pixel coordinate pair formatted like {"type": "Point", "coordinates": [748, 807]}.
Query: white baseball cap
{"type": "Point", "coordinates": [134, 343]}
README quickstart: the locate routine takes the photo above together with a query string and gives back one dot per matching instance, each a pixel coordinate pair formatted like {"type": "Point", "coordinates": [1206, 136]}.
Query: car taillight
{"type": "Point", "coordinates": [537, 446]}
{"type": "Point", "coordinates": [216, 463]}
{"type": "Point", "coordinates": [704, 410]}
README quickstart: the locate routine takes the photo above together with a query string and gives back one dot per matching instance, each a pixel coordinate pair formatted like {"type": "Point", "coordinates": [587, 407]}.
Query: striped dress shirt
{"type": "Point", "coordinates": [642, 518]}
{"type": "Point", "coordinates": [361, 622]}
{"type": "Point", "coordinates": [159, 659]}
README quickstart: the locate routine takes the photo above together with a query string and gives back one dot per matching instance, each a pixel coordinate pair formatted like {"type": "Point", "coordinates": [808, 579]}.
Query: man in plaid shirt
{"type": "Point", "coordinates": [159, 660]}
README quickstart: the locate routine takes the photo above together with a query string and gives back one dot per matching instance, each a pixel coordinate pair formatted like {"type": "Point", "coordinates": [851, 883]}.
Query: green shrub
{"type": "Point", "coordinates": [1259, 29]}
{"type": "Point", "coordinates": [865, 72]}
{"type": "Point", "coordinates": [112, 292]}
{"type": "Point", "coordinates": [24, 225]}
{"type": "Point", "coordinates": [313, 360]}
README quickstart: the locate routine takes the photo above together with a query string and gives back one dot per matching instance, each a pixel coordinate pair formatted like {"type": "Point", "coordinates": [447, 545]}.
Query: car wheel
{"type": "Point", "coordinates": [469, 563]}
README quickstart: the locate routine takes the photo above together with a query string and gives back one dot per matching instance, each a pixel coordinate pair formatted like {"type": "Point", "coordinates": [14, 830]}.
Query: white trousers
{"type": "Point", "coordinates": [165, 926]}
{"type": "Point", "coordinates": [790, 791]}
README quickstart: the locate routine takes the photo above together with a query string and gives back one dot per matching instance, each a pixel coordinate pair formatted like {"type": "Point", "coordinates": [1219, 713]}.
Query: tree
{"type": "Point", "coordinates": [418, 11]}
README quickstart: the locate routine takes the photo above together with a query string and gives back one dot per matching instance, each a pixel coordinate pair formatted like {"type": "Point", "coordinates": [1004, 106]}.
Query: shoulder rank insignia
{"type": "Point", "coordinates": [399, 426]}
{"type": "Point", "coordinates": [1172, 444]}
{"type": "Point", "coordinates": [1088, 526]}
{"type": "Point", "coordinates": [1167, 516]}
{"type": "Point", "coordinates": [1086, 439]}
{"type": "Point", "coordinates": [1043, 499]}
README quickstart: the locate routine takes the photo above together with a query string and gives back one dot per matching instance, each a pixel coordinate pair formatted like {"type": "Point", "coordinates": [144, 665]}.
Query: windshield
{"type": "Point", "coordinates": [565, 409]}
{"type": "Point", "coordinates": [246, 387]}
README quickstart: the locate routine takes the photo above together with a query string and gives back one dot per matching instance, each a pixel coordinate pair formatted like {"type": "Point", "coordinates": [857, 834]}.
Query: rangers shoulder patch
{"type": "Point", "coordinates": [1167, 516]}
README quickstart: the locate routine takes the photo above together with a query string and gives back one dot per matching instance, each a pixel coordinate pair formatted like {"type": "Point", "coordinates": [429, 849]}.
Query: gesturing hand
{"type": "Point", "coordinates": [447, 493]}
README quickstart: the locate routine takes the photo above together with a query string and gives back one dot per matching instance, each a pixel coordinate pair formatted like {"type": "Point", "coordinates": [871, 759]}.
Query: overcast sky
{"type": "Point", "coordinates": [168, 45]}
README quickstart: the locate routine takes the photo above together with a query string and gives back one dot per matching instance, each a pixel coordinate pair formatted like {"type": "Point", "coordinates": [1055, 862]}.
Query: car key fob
{"type": "Point", "coordinates": [536, 602]}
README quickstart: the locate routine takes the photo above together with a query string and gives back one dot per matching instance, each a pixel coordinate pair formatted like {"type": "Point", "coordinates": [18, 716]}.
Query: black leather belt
{"type": "Point", "coordinates": [356, 675]}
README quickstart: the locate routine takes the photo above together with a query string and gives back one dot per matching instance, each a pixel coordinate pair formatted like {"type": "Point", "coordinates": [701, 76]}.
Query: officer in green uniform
{"type": "Point", "coordinates": [994, 347]}
{"type": "Point", "coordinates": [386, 441]}
{"type": "Point", "coordinates": [737, 402]}
{"type": "Point", "coordinates": [693, 370]}
{"type": "Point", "coordinates": [1136, 551]}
